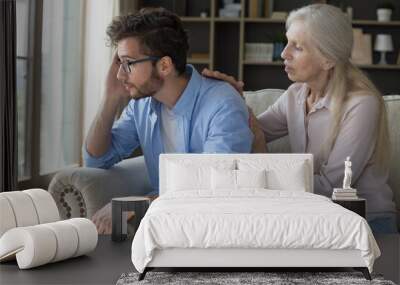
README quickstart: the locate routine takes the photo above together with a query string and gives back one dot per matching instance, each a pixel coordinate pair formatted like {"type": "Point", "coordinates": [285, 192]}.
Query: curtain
{"type": "Point", "coordinates": [8, 116]}
{"type": "Point", "coordinates": [61, 84]}
{"type": "Point", "coordinates": [97, 55]}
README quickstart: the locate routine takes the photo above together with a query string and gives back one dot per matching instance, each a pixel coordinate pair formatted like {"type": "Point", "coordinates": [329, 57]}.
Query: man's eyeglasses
{"type": "Point", "coordinates": [126, 65]}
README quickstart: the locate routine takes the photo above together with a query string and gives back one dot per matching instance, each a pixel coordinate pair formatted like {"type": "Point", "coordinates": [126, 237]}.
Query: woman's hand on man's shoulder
{"type": "Point", "coordinates": [238, 85]}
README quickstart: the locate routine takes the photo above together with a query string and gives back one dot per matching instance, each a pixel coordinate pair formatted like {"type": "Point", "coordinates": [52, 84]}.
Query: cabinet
{"type": "Point", "coordinates": [358, 206]}
{"type": "Point", "coordinates": [218, 42]}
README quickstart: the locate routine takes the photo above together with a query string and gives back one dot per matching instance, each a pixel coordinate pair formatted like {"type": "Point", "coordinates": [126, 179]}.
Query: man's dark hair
{"type": "Point", "coordinates": [159, 31]}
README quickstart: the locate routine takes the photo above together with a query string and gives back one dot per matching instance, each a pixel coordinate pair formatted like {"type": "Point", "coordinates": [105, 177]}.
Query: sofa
{"type": "Point", "coordinates": [81, 191]}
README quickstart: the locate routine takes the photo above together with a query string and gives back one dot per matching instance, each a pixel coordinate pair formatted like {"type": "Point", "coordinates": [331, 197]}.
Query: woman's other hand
{"type": "Point", "coordinates": [238, 85]}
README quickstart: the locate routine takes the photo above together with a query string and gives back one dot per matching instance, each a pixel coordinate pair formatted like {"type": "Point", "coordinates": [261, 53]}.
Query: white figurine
{"type": "Point", "coordinates": [347, 174]}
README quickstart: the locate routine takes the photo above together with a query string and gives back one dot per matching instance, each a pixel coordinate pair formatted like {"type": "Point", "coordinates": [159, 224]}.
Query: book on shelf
{"type": "Point", "coordinates": [268, 8]}
{"type": "Point", "coordinates": [253, 9]}
{"type": "Point", "coordinates": [362, 48]}
{"type": "Point", "coordinates": [260, 8]}
{"type": "Point", "coordinates": [231, 10]}
{"type": "Point", "coordinates": [341, 190]}
{"type": "Point", "coordinates": [334, 197]}
{"type": "Point", "coordinates": [258, 52]}
{"type": "Point", "coordinates": [345, 194]}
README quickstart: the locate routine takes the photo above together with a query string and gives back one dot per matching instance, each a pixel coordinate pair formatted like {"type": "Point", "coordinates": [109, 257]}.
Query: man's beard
{"type": "Point", "coordinates": [149, 88]}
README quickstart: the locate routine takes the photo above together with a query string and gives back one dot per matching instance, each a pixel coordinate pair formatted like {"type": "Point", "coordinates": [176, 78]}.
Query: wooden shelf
{"type": "Point", "coordinates": [366, 66]}
{"type": "Point", "coordinates": [198, 60]}
{"type": "Point", "coordinates": [195, 19]}
{"type": "Point", "coordinates": [355, 22]}
{"type": "Point", "coordinates": [271, 63]}
{"type": "Point", "coordinates": [375, 23]}
{"type": "Point", "coordinates": [379, 66]}
{"type": "Point", "coordinates": [264, 20]}
{"type": "Point", "coordinates": [227, 19]}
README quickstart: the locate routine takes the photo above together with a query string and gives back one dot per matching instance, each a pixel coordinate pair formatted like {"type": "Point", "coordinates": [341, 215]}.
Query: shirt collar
{"type": "Point", "coordinates": [154, 105]}
{"type": "Point", "coordinates": [186, 101]}
{"type": "Point", "coordinates": [324, 102]}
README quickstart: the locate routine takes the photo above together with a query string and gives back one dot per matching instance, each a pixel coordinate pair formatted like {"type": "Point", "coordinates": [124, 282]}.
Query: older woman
{"type": "Point", "coordinates": [332, 111]}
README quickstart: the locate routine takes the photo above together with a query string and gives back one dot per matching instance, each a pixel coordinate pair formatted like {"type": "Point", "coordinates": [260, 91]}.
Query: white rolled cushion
{"type": "Point", "coordinates": [7, 218]}
{"type": "Point", "coordinates": [281, 174]}
{"type": "Point", "coordinates": [23, 208]}
{"type": "Point", "coordinates": [186, 175]}
{"type": "Point", "coordinates": [45, 205]}
{"type": "Point", "coordinates": [34, 245]}
{"type": "Point", "coordinates": [87, 235]}
{"type": "Point", "coordinates": [67, 240]}
{"type": "Point", "coordinates": [251, 178]}
{"type": "Point", "coordinates": [40, 244]}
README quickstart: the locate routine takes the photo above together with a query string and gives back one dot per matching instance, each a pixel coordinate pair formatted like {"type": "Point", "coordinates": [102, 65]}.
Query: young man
{"type": "Point", "coordinates": [173, 109]}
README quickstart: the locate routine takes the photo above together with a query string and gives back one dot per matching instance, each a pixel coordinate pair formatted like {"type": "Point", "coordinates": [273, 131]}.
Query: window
{"type": "Point", "coordinates": [49, 80]}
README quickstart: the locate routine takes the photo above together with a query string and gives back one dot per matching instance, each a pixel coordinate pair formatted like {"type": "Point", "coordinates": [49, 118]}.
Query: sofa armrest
{"type": "Point", "coordinates": [81, 191]}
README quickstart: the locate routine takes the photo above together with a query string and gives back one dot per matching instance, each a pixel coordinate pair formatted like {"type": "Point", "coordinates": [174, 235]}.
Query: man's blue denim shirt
{"type": "Point", "coordinates": [213, 118]}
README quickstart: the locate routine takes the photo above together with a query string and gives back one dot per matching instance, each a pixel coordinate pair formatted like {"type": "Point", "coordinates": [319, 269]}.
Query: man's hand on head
{"type": "Point", "coordinates": [114, 85]}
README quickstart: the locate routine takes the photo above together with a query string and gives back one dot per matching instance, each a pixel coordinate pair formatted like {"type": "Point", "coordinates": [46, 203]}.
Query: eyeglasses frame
{"type": "Point", "coordinates": [126, 65]}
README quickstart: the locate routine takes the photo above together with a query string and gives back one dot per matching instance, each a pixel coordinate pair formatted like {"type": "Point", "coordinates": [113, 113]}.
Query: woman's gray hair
{"type": "Point", "coordinates": [329, 29]}
{"type": "Point", "coordinates": [330, 32]}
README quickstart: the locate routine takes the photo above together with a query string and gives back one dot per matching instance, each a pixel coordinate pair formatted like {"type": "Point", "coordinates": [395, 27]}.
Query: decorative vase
{"type": "Point", "coordinates": [384, 15]}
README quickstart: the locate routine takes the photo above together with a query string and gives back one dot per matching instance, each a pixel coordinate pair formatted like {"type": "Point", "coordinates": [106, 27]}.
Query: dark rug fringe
{"type": "Point", "coordinates": [244, 278]}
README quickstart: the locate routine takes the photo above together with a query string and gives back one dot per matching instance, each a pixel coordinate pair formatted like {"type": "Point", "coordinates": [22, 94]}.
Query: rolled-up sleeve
{"type": "Point", "coordinates": [229, 130]}
{"type": "Point", "coordinates": [356, 138]}
{"type": "Point", "coordinates": [124, 140]}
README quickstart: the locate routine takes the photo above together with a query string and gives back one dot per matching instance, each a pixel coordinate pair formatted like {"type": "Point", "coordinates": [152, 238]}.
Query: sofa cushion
{"type": "Point", "coordinates": [259, 101]}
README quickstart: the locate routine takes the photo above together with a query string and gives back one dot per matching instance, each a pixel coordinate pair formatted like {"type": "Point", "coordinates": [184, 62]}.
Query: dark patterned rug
{"type": "Point", "coordinates": [243, 278]}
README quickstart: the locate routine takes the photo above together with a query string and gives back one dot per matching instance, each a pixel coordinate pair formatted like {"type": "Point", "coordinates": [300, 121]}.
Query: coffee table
{"type": "Point", "coordinates": [110, 259]}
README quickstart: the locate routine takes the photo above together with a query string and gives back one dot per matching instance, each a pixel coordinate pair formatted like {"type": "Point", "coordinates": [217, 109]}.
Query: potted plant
{"type": "Point", "coordinates": [384, 11]}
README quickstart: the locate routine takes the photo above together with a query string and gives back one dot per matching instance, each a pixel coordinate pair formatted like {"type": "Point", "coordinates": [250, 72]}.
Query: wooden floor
{"type": "Point", "coordinates": [110, 260]}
